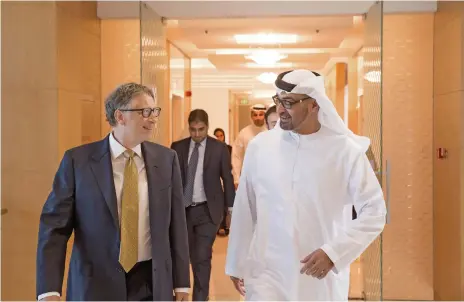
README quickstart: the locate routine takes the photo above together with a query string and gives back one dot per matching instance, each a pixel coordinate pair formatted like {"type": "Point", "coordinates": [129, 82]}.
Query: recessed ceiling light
{"type": "Point", "coordinates": [266, 56]}
{"type": "Point", "coordinates": [263, 38]}
{"type": "Point", "coordinates": [267, 77]}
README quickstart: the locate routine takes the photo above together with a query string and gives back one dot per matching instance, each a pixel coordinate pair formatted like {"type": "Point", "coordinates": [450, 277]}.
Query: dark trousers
{"type": "Point", "coordinates": [139, 282]}
{"type": "Point", "coordinates": [201, 233]}
{"type": "Point", "coordinates": [224, 222]}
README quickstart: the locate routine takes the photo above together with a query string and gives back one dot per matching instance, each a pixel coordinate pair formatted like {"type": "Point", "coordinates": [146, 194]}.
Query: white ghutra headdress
{"type": "Point", "coordinates": [312, 84]}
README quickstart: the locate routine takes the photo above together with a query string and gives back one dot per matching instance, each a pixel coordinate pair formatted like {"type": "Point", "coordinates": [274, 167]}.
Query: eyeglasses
{"type": "Point", "coordinates": [287, 103]}
{"type": "Point", "coordinates": [145, 112]}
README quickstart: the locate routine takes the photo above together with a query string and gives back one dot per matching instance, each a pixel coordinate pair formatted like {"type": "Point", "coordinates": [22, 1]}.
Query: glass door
{"type": "Point", "coordinates": [371, 260]}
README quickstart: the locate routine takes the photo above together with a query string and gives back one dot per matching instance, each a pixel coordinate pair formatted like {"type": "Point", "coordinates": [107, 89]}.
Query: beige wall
{"type": "Point", "coordinates": [120, 58]}
{"type": "Point", "coordinates": [407, 146]}
{"type": "Point", "coordinates": [335, 82]}
{"type": "Point", "coordinates": [353, 76]}
{"type": "Point", "coordinates": [29, 132]}
{"type": "Point", "coordinates": [448, 133]}
{"type": "Point", "coordinates": [79, 65]}
{"type": "Point", "coordinates": [215, 102]}
{"type": "Point", "coordinates": [50, 102]}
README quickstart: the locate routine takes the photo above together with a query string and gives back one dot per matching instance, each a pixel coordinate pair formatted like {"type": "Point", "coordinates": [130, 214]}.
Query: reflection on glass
{"type": "Point", "coordinates": [154, 64]}
{"type": "Point", "coordinates": [177, 69]}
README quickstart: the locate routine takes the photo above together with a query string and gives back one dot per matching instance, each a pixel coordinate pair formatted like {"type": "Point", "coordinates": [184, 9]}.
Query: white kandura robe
{"type": "Point", "coordinates": [295, 196]}
{"type": "Point", "coordinates": [240, 145]}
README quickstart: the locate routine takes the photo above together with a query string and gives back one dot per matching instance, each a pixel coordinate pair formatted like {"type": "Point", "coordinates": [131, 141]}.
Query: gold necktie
{"type": "Point", "coordinates": [129, 214]}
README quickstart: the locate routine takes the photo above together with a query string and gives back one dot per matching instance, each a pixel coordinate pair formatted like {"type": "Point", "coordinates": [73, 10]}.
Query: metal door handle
{"type": "Point", "coordinates": [387, 189]}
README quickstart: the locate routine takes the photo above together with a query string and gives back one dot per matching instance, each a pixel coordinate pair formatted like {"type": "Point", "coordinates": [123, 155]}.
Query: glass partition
{"type": "Point", "coordinates": [177, 67]}
{"type": "Point", "coordinates": [371, 101]}
{"type": "Point", "coordinates": [154, 68]}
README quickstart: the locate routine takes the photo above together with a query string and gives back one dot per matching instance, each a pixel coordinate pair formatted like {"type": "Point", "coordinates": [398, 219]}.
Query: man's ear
{"type": "Point", "coordinates": [119, 117]}
{"type": "Point", "coordinates": [314, 106]}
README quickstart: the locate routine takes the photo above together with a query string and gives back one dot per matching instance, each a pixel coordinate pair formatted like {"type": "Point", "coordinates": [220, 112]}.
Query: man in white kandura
{"type": "Point", "coordinates": [244, 137]}
{"type": "Point", "coordinates": [292, 234]}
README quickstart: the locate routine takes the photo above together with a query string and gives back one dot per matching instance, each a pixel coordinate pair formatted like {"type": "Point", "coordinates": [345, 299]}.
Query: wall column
{"type": "Point", "coordinates": [448, 131]}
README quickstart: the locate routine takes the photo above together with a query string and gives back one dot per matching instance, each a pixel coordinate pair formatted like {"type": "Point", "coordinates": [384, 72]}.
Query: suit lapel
{"type": "Point", "coordinates": [185, 158]}
{"type": "Point", "coordinates": [208, 151]}
{"type": "Point", "coordinates": [153, 178]}
{"type": "Point", "coordinates": [103, 171]}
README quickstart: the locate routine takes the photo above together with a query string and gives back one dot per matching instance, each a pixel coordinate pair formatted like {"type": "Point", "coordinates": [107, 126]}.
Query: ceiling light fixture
{"type": "Point", "coordinates": [266, 57]}
{"type": "Point", "coordinates": [247, 51]}
{"type": "Point", "coordinates": [263, 38]}
{"type": "Point", "coordinates": [267, 77]}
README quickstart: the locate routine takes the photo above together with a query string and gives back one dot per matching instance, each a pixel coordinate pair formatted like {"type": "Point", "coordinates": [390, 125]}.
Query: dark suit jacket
{"type": "Point", "coordinates": [83, 200]}
{"type": "Point", "coordinates": [216, 166]}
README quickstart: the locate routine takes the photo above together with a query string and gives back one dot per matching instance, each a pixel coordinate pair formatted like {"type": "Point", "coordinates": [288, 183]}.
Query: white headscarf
{"type": "Point", "coordinates": [259, 107]}
{"type": "Point", "coordinates": [313, 85]}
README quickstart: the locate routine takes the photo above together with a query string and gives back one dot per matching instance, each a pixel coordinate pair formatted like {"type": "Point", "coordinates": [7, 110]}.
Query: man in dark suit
{"type": "Point", "coordinates": [204, 162]}
{"type": "Point", "coordinates": [122, 197]}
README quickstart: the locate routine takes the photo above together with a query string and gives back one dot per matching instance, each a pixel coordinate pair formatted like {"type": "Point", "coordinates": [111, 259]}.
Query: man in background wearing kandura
{"type": "Point", "coordinates": [244, 137]}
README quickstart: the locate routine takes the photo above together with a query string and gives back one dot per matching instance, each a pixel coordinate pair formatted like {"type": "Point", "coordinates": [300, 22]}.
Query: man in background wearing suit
{"type": "Point", "coordinates": [204, 162]}
{"type": "Point", "coordinates": [122, 197]}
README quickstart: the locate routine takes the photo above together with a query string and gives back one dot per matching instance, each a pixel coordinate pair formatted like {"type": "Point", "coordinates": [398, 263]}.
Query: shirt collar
{"type": "Point", "coordinates": [202, 143]}
{"type": "Point", "coordinates": [117, 149]}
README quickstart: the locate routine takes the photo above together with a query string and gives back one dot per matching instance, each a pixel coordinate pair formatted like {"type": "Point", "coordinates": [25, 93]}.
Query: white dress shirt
{"type": "Point", "coordinates": [118, 162]}
{"type": "Point", "coordinates": [199, 195]}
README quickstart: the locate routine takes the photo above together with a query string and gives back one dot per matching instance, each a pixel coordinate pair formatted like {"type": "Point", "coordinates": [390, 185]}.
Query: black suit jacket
{"type": "Point", "coordinates": [83, 200]}
{"type": "Point", "coordinates": [216, 166]}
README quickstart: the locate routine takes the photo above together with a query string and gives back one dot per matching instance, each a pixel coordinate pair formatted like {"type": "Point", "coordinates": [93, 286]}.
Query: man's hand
{"type": "Point", "coordinates": [236, 186]}
{"type": "Point", "coordinates": [239, 285]}
{"type": "Point", "coordinates": [51, 298]}
{"type": "Point", "coordinates": [180, 296]}
{"type": "Point", "coordinates": [317, 264]}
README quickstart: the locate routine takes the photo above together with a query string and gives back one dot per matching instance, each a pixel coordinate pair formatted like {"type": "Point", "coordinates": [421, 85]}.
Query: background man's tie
{"type": "Point", "coordinates": [192, 169]}
{"type": "Point", "coordinates": [129, 214]}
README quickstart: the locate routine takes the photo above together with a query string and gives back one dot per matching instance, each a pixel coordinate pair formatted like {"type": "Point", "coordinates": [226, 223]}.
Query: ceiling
{"type": "Point", "coordinates": [327, 32]}
{"type": "Point", "coordinates": [226, 9]}
{"type": "Point", "coordinates": [218, 60]}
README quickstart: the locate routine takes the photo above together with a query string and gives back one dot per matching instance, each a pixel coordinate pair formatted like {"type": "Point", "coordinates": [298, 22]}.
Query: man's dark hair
{"type": "Point", "coordinates": [198, 115]}
{"type": "Point", "coordinates": [270, 110]}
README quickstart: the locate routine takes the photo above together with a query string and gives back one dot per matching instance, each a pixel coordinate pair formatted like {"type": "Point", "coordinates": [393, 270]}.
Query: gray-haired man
{"type": "Point", "coordinates": [122, 198]}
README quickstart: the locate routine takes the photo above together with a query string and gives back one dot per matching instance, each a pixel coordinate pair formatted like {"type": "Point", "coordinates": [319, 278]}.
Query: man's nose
{"type": "Point", "coordinates": [280, 109]}
{"type": "Point", "coordinates": [152, 118]}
